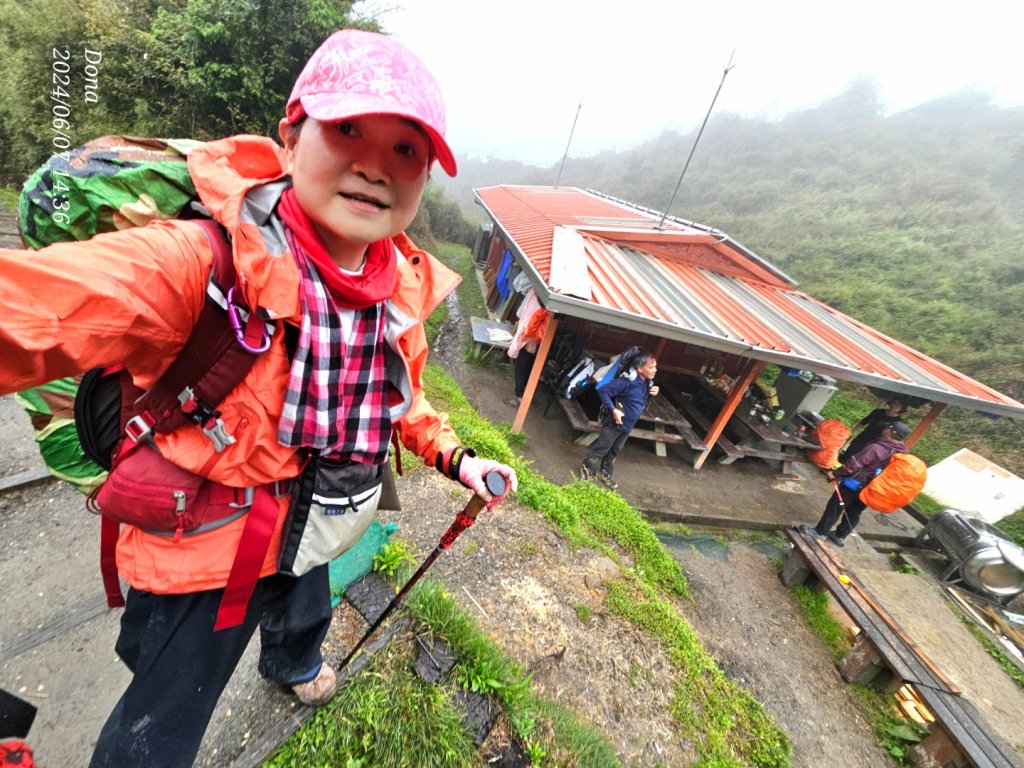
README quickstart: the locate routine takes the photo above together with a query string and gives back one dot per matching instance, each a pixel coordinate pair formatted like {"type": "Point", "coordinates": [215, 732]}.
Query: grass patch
{"type": "Point", "coordinates": [993, 650]}
{"type": "Point", "coordinates": [9, 199]}
{"type": "Point", "coordinates": [385, 716]}
{"type": "Point", "coordinates": [1013, 526]}
{"type": "Point", "coordinates": [726, 724]}
{"type": "Point", "coordinates": [543, 726]}
{"type": "Point", "coordinates": [460, 259]}
{"type": "Point", "coordinates": [927, 506]}
{"type": "Point", "coordinates": [826, 626]}
{"type": "Point", "coordinates": [896, 734]}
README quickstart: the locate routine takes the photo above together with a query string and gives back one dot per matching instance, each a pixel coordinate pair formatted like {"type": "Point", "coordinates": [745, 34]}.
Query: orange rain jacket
{"type": "Point", "coordinates": [133, 297]}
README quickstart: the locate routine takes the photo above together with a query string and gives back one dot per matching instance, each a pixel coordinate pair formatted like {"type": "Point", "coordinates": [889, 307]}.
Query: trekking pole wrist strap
{"type": "Point", "coordinates": [449, 462]}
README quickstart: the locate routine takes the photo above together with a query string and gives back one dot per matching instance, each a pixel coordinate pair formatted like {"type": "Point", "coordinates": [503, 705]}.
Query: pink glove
{"type": "Point", "coordinates": [473, 470]}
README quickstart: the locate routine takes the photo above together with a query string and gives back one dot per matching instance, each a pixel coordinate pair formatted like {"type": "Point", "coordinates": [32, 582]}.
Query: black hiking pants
{"type": "Point", "coordinates": [181, 665]}
{"type": "Point", "coordinates": [854, 506]}
{"type": "Point", "coordinates": [606, 448]}
{"type": "Point", "coordinates": [523, 368]}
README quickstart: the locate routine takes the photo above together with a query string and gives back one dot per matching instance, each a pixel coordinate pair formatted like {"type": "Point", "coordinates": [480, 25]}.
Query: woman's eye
{"type": "Point", "coordinates": [406, 150]}
{"type": "Point", "coordinates": [346, 127]}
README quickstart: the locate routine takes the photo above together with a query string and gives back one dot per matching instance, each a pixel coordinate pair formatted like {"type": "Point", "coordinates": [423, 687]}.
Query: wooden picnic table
{"type": "Point", "coordinates": [657, 418]}
{"type": "Point", "coordinates": [757, 438]}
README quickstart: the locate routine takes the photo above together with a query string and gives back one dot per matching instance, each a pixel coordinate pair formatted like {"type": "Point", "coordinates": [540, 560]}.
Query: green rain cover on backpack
{"type": "Point", "coordinates": [109, 184]}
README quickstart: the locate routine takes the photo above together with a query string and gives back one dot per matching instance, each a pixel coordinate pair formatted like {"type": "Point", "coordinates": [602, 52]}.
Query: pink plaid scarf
{"type": "Point", "coordinates": [336, 400]}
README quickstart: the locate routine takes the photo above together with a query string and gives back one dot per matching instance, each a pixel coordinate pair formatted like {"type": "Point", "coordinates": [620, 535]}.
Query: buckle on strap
{"type": "Point", "coordinates": [139, 427]}
{"type": "Point", "coordinates": [198, 412]}
{"type": "Point", "coordinates": [243, 498]}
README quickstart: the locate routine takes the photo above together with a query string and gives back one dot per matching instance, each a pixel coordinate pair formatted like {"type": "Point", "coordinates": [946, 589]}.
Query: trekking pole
{"type": "Point", "coordinates": [842, 504]}
{"type": "Point", "coordinates": [496, 485]}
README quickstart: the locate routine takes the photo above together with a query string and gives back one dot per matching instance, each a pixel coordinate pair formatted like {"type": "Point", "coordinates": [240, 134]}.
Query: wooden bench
{"type": "Point", "coordinates": [661, 410]}
{"type": "Point", "coordinates": [884, 655]}
{"type": "Point", "coordinates": [730, 449]}
{"type": "Point", "coordinates": [591, 428]}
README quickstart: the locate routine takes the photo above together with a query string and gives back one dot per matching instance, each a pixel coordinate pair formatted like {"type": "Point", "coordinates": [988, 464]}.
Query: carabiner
{"type": "Point", "coordinates": [234, 315]}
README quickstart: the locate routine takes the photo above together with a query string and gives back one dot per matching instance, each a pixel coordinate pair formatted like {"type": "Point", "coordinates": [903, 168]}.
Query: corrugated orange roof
{"type": "Point", "coordinates": [695, 284]}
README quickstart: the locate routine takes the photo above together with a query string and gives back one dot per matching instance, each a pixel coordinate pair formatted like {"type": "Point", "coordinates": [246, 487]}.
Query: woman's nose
{"type": "Point", "coordinates": [370, 164]}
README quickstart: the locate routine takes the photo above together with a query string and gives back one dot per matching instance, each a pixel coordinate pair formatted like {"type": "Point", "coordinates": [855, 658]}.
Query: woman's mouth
{"type": "Point", "coordinates": [364, 200]}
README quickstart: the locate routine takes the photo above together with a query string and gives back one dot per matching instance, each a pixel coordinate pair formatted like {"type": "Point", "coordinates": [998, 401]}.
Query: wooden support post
{"type": "Point", "coordinates": [659, 447]}
{"type": "Point", "coordinates": [937, 750]}
{"type": "Point", "coordinates": [538, 367]}
{"type": "Point", "coordinates": [862, 664]}
{"type": "Point", "coordinates": [752, 372]}
{"type": "Point", "coordinates": [926, 421]}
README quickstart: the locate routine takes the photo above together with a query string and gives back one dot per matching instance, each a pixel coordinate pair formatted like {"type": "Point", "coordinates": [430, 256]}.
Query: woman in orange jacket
{"type": "Point", "coordinates": [317, 234]}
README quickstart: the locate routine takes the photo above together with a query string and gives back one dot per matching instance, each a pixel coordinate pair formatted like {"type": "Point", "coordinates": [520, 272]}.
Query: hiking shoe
{"type": "Point", "coordinates": [319, 690]}
{"type": "Point", "coordinates": [607, 480]}
{"type": "Point", "coordinates": [809, 531]}
{"type": "Point", "coordinates": [586, 473]}
{"type": "Point", "coordinates": [514, 402]}
{"type": "Point", "coordinates": [839, 541]}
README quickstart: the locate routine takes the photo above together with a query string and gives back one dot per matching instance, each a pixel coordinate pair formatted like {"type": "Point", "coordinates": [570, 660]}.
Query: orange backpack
{"type": "Point", "coordinates": [830, 434]}
{"type": "Point", "coordinates": [897, 484]}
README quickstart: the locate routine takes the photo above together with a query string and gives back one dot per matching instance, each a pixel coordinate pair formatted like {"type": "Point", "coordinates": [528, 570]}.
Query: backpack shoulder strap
{"type": "Point", "coordinates": [225, 342]}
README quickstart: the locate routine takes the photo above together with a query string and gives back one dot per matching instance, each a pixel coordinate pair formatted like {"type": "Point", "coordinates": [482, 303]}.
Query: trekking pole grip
{"type": "Point", "coordinates": [496, 485]}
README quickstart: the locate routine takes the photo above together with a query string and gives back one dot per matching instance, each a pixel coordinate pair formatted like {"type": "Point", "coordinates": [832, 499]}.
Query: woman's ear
{"type": "Point", "coordinates": [289, 136]}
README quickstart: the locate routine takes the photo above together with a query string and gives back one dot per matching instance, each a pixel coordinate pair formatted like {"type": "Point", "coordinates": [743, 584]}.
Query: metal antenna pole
{"type": "Point", "coordinates": [696, 141]}
{"type": "Point", "coordinates": [566, 154]}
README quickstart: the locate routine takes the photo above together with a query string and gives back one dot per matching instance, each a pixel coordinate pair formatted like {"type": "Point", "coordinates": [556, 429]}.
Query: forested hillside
{"type": "Point", "coordinates": [913, 222]}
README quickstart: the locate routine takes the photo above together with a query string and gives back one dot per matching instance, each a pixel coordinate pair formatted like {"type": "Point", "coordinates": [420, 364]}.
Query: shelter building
{"type": "Point", "coordinates": [620, 274]}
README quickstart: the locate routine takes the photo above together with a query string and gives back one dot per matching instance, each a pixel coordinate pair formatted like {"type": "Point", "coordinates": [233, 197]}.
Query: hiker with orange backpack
{"type": "Point", "coordinates": [849, 479]}
{"type": "Point", "coordinates": [330, 299]}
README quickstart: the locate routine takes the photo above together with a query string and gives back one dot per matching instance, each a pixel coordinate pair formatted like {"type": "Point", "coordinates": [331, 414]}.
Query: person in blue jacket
{"type": "Point", "coordinates": [624, 399]}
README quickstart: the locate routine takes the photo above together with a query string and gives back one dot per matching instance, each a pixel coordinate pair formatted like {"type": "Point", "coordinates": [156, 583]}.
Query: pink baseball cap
{"type": "Point", "coordinates": [357, 73]}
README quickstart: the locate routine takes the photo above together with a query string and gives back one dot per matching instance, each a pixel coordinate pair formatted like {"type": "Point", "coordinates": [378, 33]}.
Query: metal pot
{"type": "Point", "coordinates": [985, 558]}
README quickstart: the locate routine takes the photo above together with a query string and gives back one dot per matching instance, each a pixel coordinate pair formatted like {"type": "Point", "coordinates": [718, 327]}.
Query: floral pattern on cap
{"type": "Point", "coordinates": [360, 73]}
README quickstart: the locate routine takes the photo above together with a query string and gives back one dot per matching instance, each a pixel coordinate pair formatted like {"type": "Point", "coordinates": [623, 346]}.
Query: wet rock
{"type": "Point", "coordinates": [509, 756]}
{"type": "Point", "coordinates": [479, 713]}
{"type": "Point", "coordinates": [370, 596]}
{"type": "Point", "coordinates": [434, 660]}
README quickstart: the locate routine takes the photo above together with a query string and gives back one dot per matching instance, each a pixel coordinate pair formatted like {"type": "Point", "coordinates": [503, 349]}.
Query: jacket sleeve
{"type": "Point", "coordinates": [610, 390]}
{"type": "Point", "coordinates": [127, 297]}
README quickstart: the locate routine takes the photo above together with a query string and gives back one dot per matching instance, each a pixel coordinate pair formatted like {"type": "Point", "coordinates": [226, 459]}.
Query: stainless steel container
{"type": "Point", "coordinates": [982, 554]}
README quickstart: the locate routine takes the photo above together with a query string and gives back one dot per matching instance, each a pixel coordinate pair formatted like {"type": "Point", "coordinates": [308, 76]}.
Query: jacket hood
{"type": "Point", "coordinates": [239, 180]}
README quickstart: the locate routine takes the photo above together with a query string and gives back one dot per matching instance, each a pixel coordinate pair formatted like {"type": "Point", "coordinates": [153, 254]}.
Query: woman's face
{"type": "Point", "coordinates": [359, 180]}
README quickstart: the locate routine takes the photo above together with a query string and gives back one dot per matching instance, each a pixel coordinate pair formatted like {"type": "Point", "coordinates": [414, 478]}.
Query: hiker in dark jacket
{"type": "Point", "coordinates": [857, 471]}
{"type": "Point", "coordinates": [624, 399]}
{"type": "Point", "coordinates": [873, 424]}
